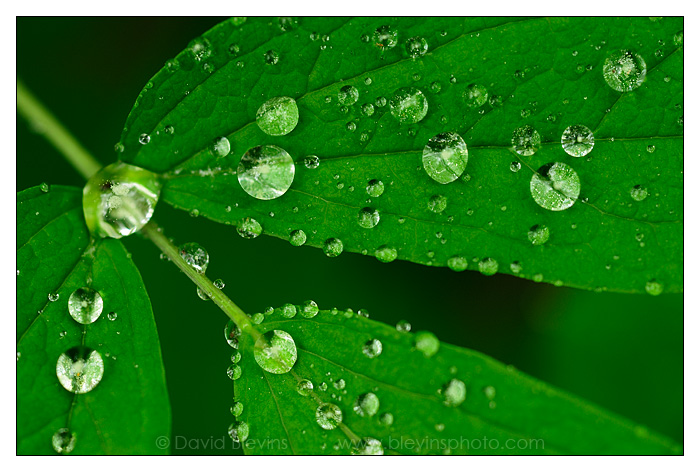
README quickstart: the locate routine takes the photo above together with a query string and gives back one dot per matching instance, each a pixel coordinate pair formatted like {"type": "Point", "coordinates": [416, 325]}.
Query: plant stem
{"type": "Point", "coordinates": [153, 232]}
{"type": "Point", "coordinates": [47, 125]}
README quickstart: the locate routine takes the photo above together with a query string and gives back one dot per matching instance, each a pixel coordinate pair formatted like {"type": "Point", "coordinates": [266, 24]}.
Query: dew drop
{"type": "Point", "coordinates": [654, 288]}
{"type": "Point", "coordinates": [408, 105]}
{"type": "Point", "coordinates": [232, 334]}
{"type": "Point", "coordinates": [44, 187]}
{"type": "Point", "coordinates": [85, 305]}
{"type": "Point", "coordinates": [385, 253]}
{"type": "Point", "coordinates": [515, 166]}
{"type": "Point", "coordinates": [577, 140]}
{"type": "Point", "coordinates": [375, 188]}
{"type": "Point", "coordinates": [80, 369]}
{"type": "Point", "coordinates": [516, 267]}
{"type": "Point", "coordinates": [63, 441]}
{"type": "Point", "coordinates": [237, 409]}
{"type": "Point", "coordinates": [348, 95]}
{"type": "Point", "coordinates": [278, 116]}
{"type": "Point", "coordinates": [475, 95]}
{"type": "Point", "coordinates": [639, 193]}
{"type": "Point", "coordinates": [220, 284]}
{"type": "Point", "coordinates": [311, 162]}
{"type": "Point", "coordinates": [366, 405]}
{"type": "Point", "coordinates": [526, 140]}
{"type": "Point", "coordinates": [403, 326]}
{"type": "Point", "coordinates": [538, 234]}
{"type": "Point", "coordinates": [445, 157]}
{"type": "Point", "coordinates": [416, 46]}
{"type": "Point", "coordinates": [427, 343]}
{"type": "Point", "coordinates": [309, 309]}
{"type": "Point", "coordinates": [271, 57]}
{"type": "Point", "coordinates": [457, 263]}
{"type": "Point", "coordinates": [437, 203]}
{"type": "Point", "coordinates": [488, 266]}
{"type": "Point", "coordinates": [368, 217]}
{"type": "Point", "coordinates": [454, 393]}
{"type": "Point", "coordinates": [53, 297]}
{"type": "Point", "coordinates": [297, 237]}
{"type": "Point", "coordinates": [372, 348]}
{"type": "Point", "coordinates": [275, 352]}
{"type": "Point", "coordinates": [328, 416]}
{"type": "Point", "coordinates": [220, 147]}
{"type": "Point", "coordinates": [249, 228]}
{"type": "Point", "coordinates": [368, 447]}
{"type": "Point", "coordinates": [332, 247]}
{"type": "Point", "coordinates": [234, 372]}
{"type": "Point", "coordinates": [195, 256]}
{"type": "Point", "coordinates": [555, 186]}
{"type": "Point", "coordinates": [387, 419]}
{"type": "Point", "coordinates": [266, 172]}
{"type": "Point", "coordinates": [144, 139]}
{"type": "Point", "coordinates": [305, 387]}
{"type": "Point", "coordinates": [112, 316]}
{"type": "Point", "coordinates": [385, 37]}
{"type": "Point", "coordinates": [624, 70]}
{"type": "Point", "coordinates": [239, 431]}
{"type": "Point", "coordinates": [288, 311]}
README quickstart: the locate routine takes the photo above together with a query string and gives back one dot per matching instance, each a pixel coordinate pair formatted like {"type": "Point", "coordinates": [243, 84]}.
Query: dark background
{"type": "Point", "coordinates": [623, 352]}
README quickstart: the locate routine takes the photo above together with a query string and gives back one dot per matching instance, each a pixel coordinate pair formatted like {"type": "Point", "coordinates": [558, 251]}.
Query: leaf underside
{"type": "Point", "coordinates": [548, 73]}
{"type": "Point", "coordinates": [520, 415]}
{"type": "Point", "coordinates": [129, 408]}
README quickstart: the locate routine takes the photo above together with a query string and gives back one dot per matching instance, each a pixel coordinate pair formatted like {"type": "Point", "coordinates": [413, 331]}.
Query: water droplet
{"type": "Point", "coordinates": [309, 309]}
{"type": "Point", "coordinates": [220, 147]}
{"type": "Point", "coordinates": [195, 256]}
{"type": "Point", "coordinates": [416, 46]}
{"type": "Point", "coordinates": [372, 348]}
{"type": "Point", "coordinates": [387, 419]}
{"type": "Point", "coordinates": [380, 102]}
{"type": "Point", "coordinates": [332, 247]}
{"type": "Point", "coordinates": [278, 116]}
{"type": "Point", "coordinates": [266, 172]}
{"type": "Point", "coordinates": [385, 253]}
{"type": "Point", "coordinates": [234, 372]}
{"type": "Point", "coordinates": [53, 297]}
{"type": "Point", "coordinates": [144, 139]}
{"type": "Point", "coordinates": [678, 39]}
{"type": "Point", "coordinates": [339, 384]}
{"type": "Point", "coordinates": [408, 105]}
{"type": "Point", "coordinates": [237, 409]}
{"type": "Point", "coordinates": [577, 140]}
{"type": "Point", "coordinates": [63, 441]}
{"type": "Point", "coordinates": [515, 166]}
{"type": "Point", "coordinates": [516, 267]}
{"type": "Point", "coordinates": [375, 188]}
{"type": "Point", "coordinates": [348, 95]}
{"type": "Point", "coordinates": [44, 187]}
{"type": "Point", "coordinates": [328, 416]}
{"type": "Point", "coordinates": [80, 369]}
{"type": "Point", "coordinates": [538, 234]}
{"type": "Point", "coordinates": [526, 140]}
{"type": "Point", "coordinates": [119, 200]}
{"type": "Point", "coordinates": [368, 447]}
{"type": "Point", "coordinates": [367, 109]}
{"type": "Point", "coordinates": [232, 334]}
{"type": "Point", "coordinates": [555, 186]}
{"type": "Point", "coordinates": [311, 162]}
{"type": "Point", "coordinates": [85, 305]}
{"type": "Point", "coordinates": [112, 315]}
{"type": "Point", "coordinates": [385, 37]}
{"type": "Point", "coordinates": [457, 263]}
{"type": "Point", "coordinates": [239, 431]}
{"type": "Point", "coordinates": [305, 387]}
{"type": "Point", "coordinates": [248, 228]}
{"type": "Point", "coordinates": [219, 283]}
{"type": "Point", "coordinates": [475, 95]}
{"type": "Point", "coordinates": [639, 193]}
{"type": "Point", "coordinates": [366, 405]}
{"type": "Point", "coordinates": [297, 237]}
{"type": "Point", "coordinates": [454, 393]}
{"type": "Point", "coordinates": [437, 203]}
{"type": "Point", "coordinates": [271, 57]}
{"type": "Point", "coordinates": [445, 157]}
{"type": "Point", "coordinates": [654, 288]}
{"type": "Point", "coordinates": [427, 343]}
{"type": "Point", "coordinates": [170, 129]}
{"type": "Point", "coordinates": [403, 326]}
{"type": "Point", "coordinates": [368, 217]}
{"type": "Point", "coordinates": [488, 266]}
{"type": "Point", "coordinates": [275, 351]}
{"type": "Point", "coordinates": [624, 70]}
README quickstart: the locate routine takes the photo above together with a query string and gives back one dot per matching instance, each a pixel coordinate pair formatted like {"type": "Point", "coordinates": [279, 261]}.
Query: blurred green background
{"type": "Point", "coordinates": [623, 352]}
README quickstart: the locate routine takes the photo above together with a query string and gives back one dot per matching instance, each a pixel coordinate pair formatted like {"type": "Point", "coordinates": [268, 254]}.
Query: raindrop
{"type": "Point", "coordinates": [195, 256]}
{"type": "Point", "coordinates": [368, 217]}
{"type": "Point", "coordinates": [266, 172]}
{"type": "Point", "coordinates": [119, 200]}
{"type": "Point", "coordinates": [80, 369]}
{"type": "Point", "coordinates": [366, 405]}
{"type": "Point", "coordinates": [624, 70]}
{"type": "Point", "coordinates": [538, 234]}
{"type": "Point", "coordinates": [305, 387]}
{"type": "Point", "coordinates": [239, 431]}
{"type": "Point", "coordinates": [348, 95]}
{"type": "Point", "coordinates": [375, 188]}
{"type": "Point", "coordinates": [475, 95]}
{"type": "Point", "coordinates": [297, 237]}
{"type": "Point", "coordinates": [328, 416]}
{"type": "Point", "coordinates": [275, 351]}
{"type": "Point", "coordinates": [234, 372]}
{"type": "Point", "coordinates": [288, 311]}
{"type": "Point", "coordinates": [278, 116]}
{"type": "Point", "coordinates": [555, 186]}
{"type": "Point", "coordinates": [454, 393]}
{"type": "Point", "coordinates": [437, 203]}
{"type": "Point", "coordinates": [427, 343]}
{"type": "Point", "coordinates": [488, 266]}
{"type": "Point", "coordinates": [309, 309]}
{"type": "Point", "coordinates": [249, 228]}
{"type": "Point", "coordinates": [385, 37]}
{"type": "Point", "coordinates": [408, 105]}
{"type": "Point", "coordinates": [416, 46]}
{"type": "Point", "coordinates": [577, 140]}
{"type": "Point", "coordinates": [639, 193]}
{"type": "Point", "coordinates": [232, 334]}
{"type": "Point", "coordinates": [220, 147]}
{"type": "Point", "coordinates": [385, 253]}
{"type": "Point", "coordinates": [332, 247]}
{"type": "Point", "coordinates": [85, 305]}
{"type": "Point", "coordinates": [526, 140]}
{"type": "Point", "coordinates": [63, 441]}
{"type": "Point", "coordinates": [237, 409]}
{"type": "Point", "coordinates": [654, 288]}
{"type": "Point", "coordinates": [372, 348]}
{"type": "Point", "coordinates": [445, 157]}
{"type": "Point", "coordinates": [457, 263]}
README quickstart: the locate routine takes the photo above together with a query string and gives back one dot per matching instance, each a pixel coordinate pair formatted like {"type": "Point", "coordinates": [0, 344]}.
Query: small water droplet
{"type": "Point", "coordinates": [234, 372]}
{"type": "Point", "coordinates": [516, 267]}
{"type": "Point", "coordinates": [654, 287]}
{"type": "Point", "coordinates": [328, 416]}
{"type": "Point", "coordinates": [385, 37]}
{"type": "Point", "coordinates": [237, 409]}
{"type": "Point", "coordinates": [385, 253]}
{"type": "Point", "coordinates": [275, 352]}
{"type": "Point", "coordinates": [437, 203]}
{"type": "Point", "coordinates": [577, 140]}
{"type": "Point", "coordinates": [624, 70]}
{"type": "Point", "coordinates": [266, 172]}
{"type": "Point", "coordinates": [297, 237]}
{"type": "Point", "coordinates": [63, 441]}
{"type": "Point", "coordinates": [278, 116]}
{"type": "Point", "coordinates": [488, 266]}
{"type": "Point", "coordinates": [348, 95]}
{"type": "Point", "coordinates": [85, 305]}
{"type": "Point", "coordinates": [366, 405]}
{"type": "Point", "coordinates": [232, 334]}
{"type": "Point", "coordinates": [195, 256]}
{"type": "Point", "coordinates": [538, 234]}
{"type": "Point", "coordinates": [475, 95]}
{"type": "Point", "coordinates": [80, 369]}
{"type": "Point", "coordinates": [220, 147]}
{"type": "Point", "coordinates": [53, 297]}
{"type": "Point", "coordinates": [403, 326]}
{"type": "Point", "coordinates": [367, 109]}
{"type": "Point", "coordinates": [555, 186]}
{"type": "Point", "coordinates": [368, 447]}
{"type": "Point", "coordinates": [526, 140]}
{"type": "Point", "coordinates": [408, 105]}
{"type": "Point", "coordinates": [112, 315]}
{"type": "Point", "coordinates": [332, 247]}
{"type": "Point", "coordinates": [144, 139]}
{"type": "Point", "coordinates": [639, 193]}
{"type": "Point", "coordinates": [445, 157]}
{"type": "Point", "coordinates": [368, 217]}
{"type": "Point", "coordinates": [457, 263]}
{"type": "Point", "coordinates": [375, 188]}
{"type": "Point", "coordinates": [416, 46]}
{"type": "Point", "coordinates": [219, 283]}
{"type": "Point", "coordinates": [427, 343]}
{"type": "Point", "coordinates": [249, 228]}
{"type": "Point", "coordinates": [239, 431]}
{"type": "Point", "coordinates": [454, 393]}
{"type": "Point", "coordinates": [309, 309]}
{"type": "Point", "coordinates": [271, 57]}
{"type": "Point", "coordinates": [372, 348]}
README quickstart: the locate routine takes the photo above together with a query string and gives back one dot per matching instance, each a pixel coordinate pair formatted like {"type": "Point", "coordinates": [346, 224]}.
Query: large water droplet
{"type": "Point", "coordinates": [278, 116]}
{"type": "Point", "coordinates": [348, 95]}
{"type": "Point", "coordinates": [368, 217]}
{"type": "Point", "coordinates": [195, 256]}
{"type": "Point", "coordinates": [538, 234]}
{"type": "Point", "coordinates": [526, 140]}
{"type": "Point", "coordinates": [385, 253]}
{"type": "Point", "coordinates": [445, 157]}
{"type": "Point", "coordinates": [454, 393]}
{"type": "Point", "coordinates": [332, 247]}
{"type": "Point", "coordinates": [427, 343]}
{"type": "Point", "coordinates": [234, 372]}
{"type": "Point", "coordinates": [63, 441]}
{"type": "Point", "coordinates": [232, 334]}
{"type": "Point", "coordinates": [80, 369]}
{"type": "Point", "coordinates": [329, 415]}
{"type": "Point", "coordinates": [85, 305]}
{"type": "Point", "coordinates": [475, 95]}
{"type": "Point", "coordinates": [624, 70]}
{"type": "Point", "coordinates": [375, 188]}
{"type": "Point", "coordinates": [555, 186]}
{"type": "Point", "coordinates": [416, 46]}
{"type": "Point", "coordinates": [409, 105]}
{"type": "Point", "coordinates": [654, 288]}
{"type": "Point", "coordinates": [297, 237]}
{"type": "Point", "coordinates": [239, 431]}
{"type": "Point", "coordinates": [385, 37]}
{"type": "Point", "coordinates": [457, 263]}
{"type": "Point", "coordinates": [309, 309]}
{"type": "Point", "coordinates": [488, 266]}
{"type": "Point", "coordinates": [366, 405]}
{"type": "Point", "coordinates": [577, 140]}
{"type": "Point", "coordinates": [119, 200]}
{"type": "Point", "coordinates": [372, 348]}
{"type": "Point", "coordinates": [249, 228]}
{"type": "Point", "coordinates": [266, 172]}
{"type": "Point", "coordinates": [368, 447]}
{"type": "Point", "coordinates": [275, 351]}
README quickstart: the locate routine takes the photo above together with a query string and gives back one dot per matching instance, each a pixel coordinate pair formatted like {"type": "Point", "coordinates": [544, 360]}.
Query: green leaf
{"type": "Point", "coordinates": [129, 408]}
{"type": "Point", "coordinates": [547, 72]}
{"type": "Point", "coordinates": [505, 411]}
